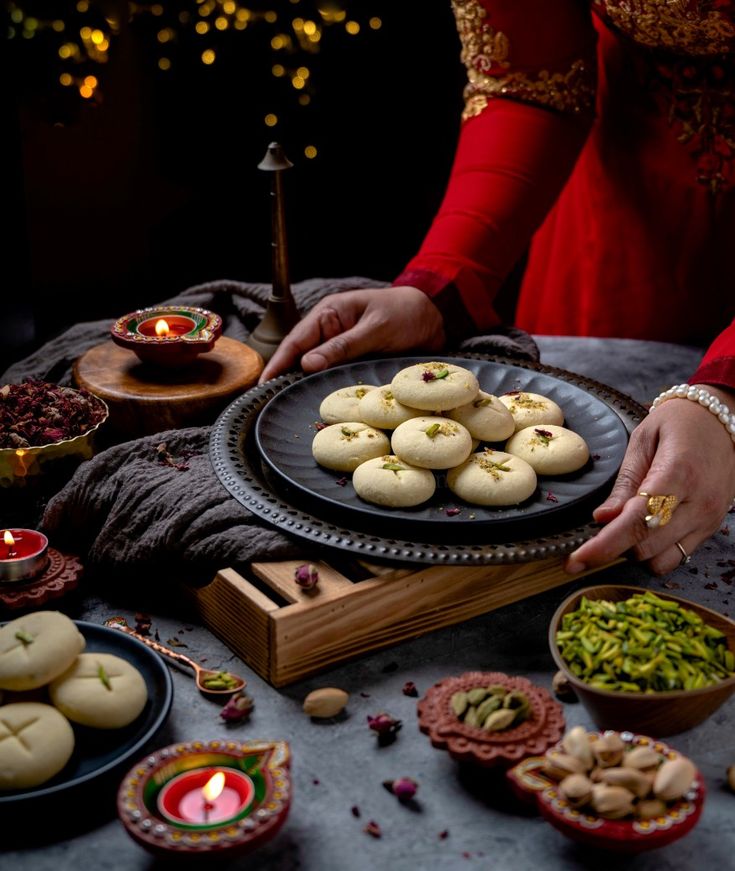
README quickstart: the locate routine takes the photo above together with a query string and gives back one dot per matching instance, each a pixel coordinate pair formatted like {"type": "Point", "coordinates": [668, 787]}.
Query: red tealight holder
{"type": "Point", "coordinates": [166, 805]}
{"type": "Point", "coordinates": [168, 336]}
{"type": "Point", "coordinates": [23, 554]}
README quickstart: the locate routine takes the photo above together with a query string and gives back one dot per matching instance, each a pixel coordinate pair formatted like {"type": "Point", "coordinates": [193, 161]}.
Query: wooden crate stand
{"type": "Point", "coordinates": [285, 633]}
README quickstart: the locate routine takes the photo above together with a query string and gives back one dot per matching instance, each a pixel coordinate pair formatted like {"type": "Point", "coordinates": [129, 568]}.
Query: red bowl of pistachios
{"type": "Point", "coordinates": [613, 790]}
{"type": "Point", "coordinates": [644, 661]}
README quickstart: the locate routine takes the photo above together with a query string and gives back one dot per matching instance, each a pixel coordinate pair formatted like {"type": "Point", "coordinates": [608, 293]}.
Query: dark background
{"type": "Point", "coordinates": [125, 200]}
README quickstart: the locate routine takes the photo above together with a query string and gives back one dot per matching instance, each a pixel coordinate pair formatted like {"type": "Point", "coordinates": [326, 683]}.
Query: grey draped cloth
{"type": "Point", "coordinates": [130, 514]}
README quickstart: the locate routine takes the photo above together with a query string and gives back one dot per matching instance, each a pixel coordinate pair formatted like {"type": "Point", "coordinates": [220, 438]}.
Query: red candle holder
{"type": "Point", "coordinates": [161, 805]}
{"type": "Point", "coordinates": [168, 336]}
{"type": "Point", "coordinates": [23, 554]}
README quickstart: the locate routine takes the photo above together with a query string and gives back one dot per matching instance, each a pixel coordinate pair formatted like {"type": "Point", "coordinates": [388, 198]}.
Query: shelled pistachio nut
{"type": "Point", "coordinates": [612, 802]}
{"type": "Point", "coordinates": [325, 702]}
{"type": "Point", "coordinates": [632, 779]}
{"type": "Point", "coordinates": [674, 779]}
{"type": "Point", "coordinates": [577, 743]}
{"type": "Point", "coordinates": [642, 758]}
{"type": "Point", "coordinates": [650, 808]}
{"type": "Point", "coordinates": [576, 789]}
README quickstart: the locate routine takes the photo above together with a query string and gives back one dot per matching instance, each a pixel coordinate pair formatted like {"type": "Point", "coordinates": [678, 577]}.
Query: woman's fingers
{"type": "Point", "coordinates": [635, 466]}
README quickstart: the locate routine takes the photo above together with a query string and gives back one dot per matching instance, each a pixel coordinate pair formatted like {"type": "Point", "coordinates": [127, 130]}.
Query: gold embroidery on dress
{"type": "Point", "coordinates": [695, 28]}
{"type": "Point", "coordinates": [485, 53]}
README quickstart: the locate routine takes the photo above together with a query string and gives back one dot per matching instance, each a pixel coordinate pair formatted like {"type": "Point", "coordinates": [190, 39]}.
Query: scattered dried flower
{"type": "Point", "coordinates": [174, 642]}
{"type": "Point", "coordinates": [355, 811]}
{"type": "Point", "coordinates": [550, 497]}
{"type": "Point", "coordinates": [404, 789]}
{"type": "Point", "coordinates": [341, 482]}
{"type": "Point", "coordinates": [318, 425]}
{"type": "Point", "coordinates": [238, 708]}
{"type": "Point", "coordinates": [373, 829]}
{"type": "Point", "coordinates": [452, 512]}
{"type": "Point", "coordinates": [444, 835]}
{"type": "Point", "coordinates": [167, 459]}
{"type": "Point", "coordinates": [143, 623]}
{"type": "Point", "coordinates": [385, 726]}
{"type": "Point", "coordinates": [306, 576]}
{"type": "Point", "coordinates": [409, 689]}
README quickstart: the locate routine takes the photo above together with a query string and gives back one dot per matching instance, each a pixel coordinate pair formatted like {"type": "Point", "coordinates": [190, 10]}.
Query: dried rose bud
{"type": "Point", "coordinates": [238, 708]}
{"type": "Point", "coordinates": [404, 789]}
{"type": "Point", "coordinates": [427, 375]}
{"type": "Point", "coordinates": [385, 725]}
{"type": "Point", "coordinates": [355, 810]}
{"type": "Point", "coordinates": [373, 829]}
{"type": "Point", "coordinates": [306, 576]}
{"type": "Point", "coordinates": [409, 689]}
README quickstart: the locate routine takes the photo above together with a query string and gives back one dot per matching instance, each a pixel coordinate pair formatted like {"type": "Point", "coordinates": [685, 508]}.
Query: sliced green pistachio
{"type": "Point", "coordinates": [24, 636]}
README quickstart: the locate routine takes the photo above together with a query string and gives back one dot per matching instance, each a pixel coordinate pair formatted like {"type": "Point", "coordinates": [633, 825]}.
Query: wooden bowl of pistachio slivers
{"type": "Point", "coordinates": [644, 661]}
{"type": "Point", "coordinates": [490, 718]}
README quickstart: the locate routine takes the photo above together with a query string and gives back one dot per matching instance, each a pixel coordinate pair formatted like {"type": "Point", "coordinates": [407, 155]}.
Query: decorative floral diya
{"type": "Point", "coordinates": [467, 743]}
{"type": "Point", "coordinates": [529, 782]}
{"type": "Point", "coordinates": [171, 802]}
{"type": "Point", "coordinates": [168, 336]}
{"type": "Point", "coordinates": [60, 575]}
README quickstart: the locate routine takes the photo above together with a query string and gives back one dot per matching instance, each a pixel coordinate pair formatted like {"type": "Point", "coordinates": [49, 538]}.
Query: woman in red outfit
{"type": "Point", "coordinates": [603, 134]}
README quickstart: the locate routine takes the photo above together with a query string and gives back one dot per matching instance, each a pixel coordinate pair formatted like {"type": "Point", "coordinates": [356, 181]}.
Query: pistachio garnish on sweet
{"type": "Point", "coordinates": [674, 779]}
{"type": "Point", "coordinates": [608, 750]}
{"type": "Point", "coordinates": [24, 637]}
{"type": "Point", "coordinates": [104, 677]}
{"type": "Point", "coordinates": [432, 430]}
{"type": "Point", "coordinates": [612, 802]}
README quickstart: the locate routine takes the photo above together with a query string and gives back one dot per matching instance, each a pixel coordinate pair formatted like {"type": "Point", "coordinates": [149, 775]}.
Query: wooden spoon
{"type": "Point", "coordinates": [201, 675]}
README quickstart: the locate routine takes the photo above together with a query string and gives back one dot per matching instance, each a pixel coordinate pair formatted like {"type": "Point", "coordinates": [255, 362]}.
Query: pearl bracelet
{"type": "Point", "coordinates": [705, 399]}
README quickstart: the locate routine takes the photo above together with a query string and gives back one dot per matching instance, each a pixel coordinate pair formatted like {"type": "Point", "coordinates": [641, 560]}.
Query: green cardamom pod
{"type": "Point", "coordinates": [459, 703]}
{"type": "Point", "coordinates": [499, 720]}
{"type": "Point", "coordinates": [515, 699]}
{"type": "Point", "coordinates": [476, 695]}
{"type": "Point", "coordinates": [493, 703]}
{"type": "Point", "coordinates": [470, 718]}
{"type": "Point", "coordinates": [497, 689]}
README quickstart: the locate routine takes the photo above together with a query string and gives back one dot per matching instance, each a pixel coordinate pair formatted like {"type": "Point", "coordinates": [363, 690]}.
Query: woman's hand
{"type": "Point", "coordinates": [347, 325]}
{"type": "Point", "coordinates": [680, 449]}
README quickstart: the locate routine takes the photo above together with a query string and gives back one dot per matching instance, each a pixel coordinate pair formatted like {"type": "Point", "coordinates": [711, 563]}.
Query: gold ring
{"type": "Point", "coordinates": [660, 509]}
{"type": "Point", "coordinates": [685, 557]}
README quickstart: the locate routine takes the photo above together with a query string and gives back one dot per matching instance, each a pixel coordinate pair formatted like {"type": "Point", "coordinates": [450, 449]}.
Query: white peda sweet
{"type": "Point", "coordinates": [36, 742]}
{"type": "Point", "coordinates": [435, 386]}
{"type": "Point", "coordinates": [551, 450]}
{"type": "Point", "coordinates": [343, 446]}
{"type": "Point", "coordinates": [486, 417]}
{"type": "Point", "coordinates": [380, 408]}
{"type": "Point", "coordinates": [432, 442]}
{"type": "Point", "coordinates": [492, 478]}
{"type": "Point", "coordinates": [100, 690]}
{"type": "Point", "coordinates": [393, 483]}
{"type": "Point", "coordinates": [342, 405]}
{"type": "Point", "coordinates": [36, 648]}
{"type": "Point", "coordinates": [532, 409]}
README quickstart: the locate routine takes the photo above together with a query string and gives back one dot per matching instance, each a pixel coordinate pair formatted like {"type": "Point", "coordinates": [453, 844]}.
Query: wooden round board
{"type": "Point", "coordinates": [144, 399]}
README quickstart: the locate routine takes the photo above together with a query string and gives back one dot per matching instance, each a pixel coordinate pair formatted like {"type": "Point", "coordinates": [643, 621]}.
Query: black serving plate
{"type": "Point", "coordinates": [285, 429]}
{"type": "Point", "coordinates": [370, 534]}
{"type": "Point", "coordinates": [102, 752]}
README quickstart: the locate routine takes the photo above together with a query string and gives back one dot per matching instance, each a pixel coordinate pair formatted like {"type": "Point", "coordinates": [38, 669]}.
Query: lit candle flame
{"type": "Point", "coordinates": [8, 538]}
{"type": "Point", "coordinates": [213, 787]}
{"type": "Point", "coordinates": [162, 328]}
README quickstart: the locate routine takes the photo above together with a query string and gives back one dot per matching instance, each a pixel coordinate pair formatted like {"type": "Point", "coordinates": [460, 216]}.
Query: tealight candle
{"type": "Point", "coordinates": [171, 325]}
{"type": "Point", "coordinates": [22, 554]}
{"type": "Point", "coordinates": [168, 336]}
{"type": "Point", "coordinates": [206, 797]}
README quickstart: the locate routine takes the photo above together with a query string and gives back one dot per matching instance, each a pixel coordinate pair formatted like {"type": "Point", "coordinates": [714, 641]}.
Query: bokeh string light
{"type": "Point", "coordinates": [78, 39]}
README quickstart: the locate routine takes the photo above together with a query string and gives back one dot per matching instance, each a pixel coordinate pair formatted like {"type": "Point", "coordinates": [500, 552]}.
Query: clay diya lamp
{"type": "Point", "coordinates": [168, 336]}
{"type": "Point", "coordinates": [465, 742]}
{"type": "Point", "coordinates": [627, 835]}
{"type": "Point", "coordinates": [219, 798]}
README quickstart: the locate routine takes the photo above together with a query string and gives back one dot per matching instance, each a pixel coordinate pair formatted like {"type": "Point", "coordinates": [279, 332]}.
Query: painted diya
{"type": "Point", "coordinates": [207, 797]}
{"type": "Point", "coordinates": [168, 336]}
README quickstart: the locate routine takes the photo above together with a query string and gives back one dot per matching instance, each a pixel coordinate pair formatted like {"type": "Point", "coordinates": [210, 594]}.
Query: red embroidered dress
{"type": "Point", "coordinates": [605, 132]}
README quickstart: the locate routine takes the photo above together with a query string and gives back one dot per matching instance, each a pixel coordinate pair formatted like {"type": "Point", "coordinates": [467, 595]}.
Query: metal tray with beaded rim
{"type": "Point", "coordinates": [491, 536]}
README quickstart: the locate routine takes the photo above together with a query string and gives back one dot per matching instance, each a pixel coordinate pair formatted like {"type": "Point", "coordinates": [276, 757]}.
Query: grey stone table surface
{"type": "Point", "coordinates": [338, 765]}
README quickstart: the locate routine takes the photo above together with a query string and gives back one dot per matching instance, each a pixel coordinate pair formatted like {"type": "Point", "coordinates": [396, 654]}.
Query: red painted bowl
{"type": "Point", "coordinates": [543, 728]}
{"type": "Point", "coordinates": [184, 333]}
{"type": "Point", "coordinates": [529, 783]}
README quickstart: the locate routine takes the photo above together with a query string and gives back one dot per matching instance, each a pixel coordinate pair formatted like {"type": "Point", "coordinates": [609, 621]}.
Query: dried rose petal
{"type": "Point", "coordinates": [306, 576]}
{"type": "Point", "coordinates": [318, 425]}
{"type": "Point", "coordinates": [427, 375]}
{"type": "Point", "coordinates": [238, 708]}
{"type": "Point", "coordinates": [355, 810]}
{"type": "Point", "coordinates": [544, 433]}
{"type": "Point", "coordinates": [452, 512]}
{"type": "Point", "coordinates": [409, 689]}
{"type": "Point", "coordinates": [551, 498]}
{"type": "Point", "coordinates": [404, 789]}
{"type": "Point", "coordinates": [341, 482]}
{"type": "Point", "coordinates": [444, 835]}
{"type": "Point", "coordinates": [372, 828]}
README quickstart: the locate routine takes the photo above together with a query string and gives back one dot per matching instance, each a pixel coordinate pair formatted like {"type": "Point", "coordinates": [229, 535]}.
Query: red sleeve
{"type": "Point", "coordinates": [514, 153]}
{"type": "Point", "coordinates": [718, 364]}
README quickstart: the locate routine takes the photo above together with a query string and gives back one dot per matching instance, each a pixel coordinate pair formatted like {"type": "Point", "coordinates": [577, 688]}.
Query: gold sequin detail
{"type": "Point", "coordinates": [486, 55]}
{"type": "Point", "coordinates": [697, 29]}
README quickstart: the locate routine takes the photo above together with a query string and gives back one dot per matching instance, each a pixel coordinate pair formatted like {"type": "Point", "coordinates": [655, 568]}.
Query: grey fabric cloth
{"type": "Point", "coordinates": [133, 514]}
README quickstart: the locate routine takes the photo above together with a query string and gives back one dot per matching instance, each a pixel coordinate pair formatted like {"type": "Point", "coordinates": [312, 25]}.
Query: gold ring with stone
{"type": "Point", "coordinates": [685, 557]}
{"type": "Point", "coordinates": [660, 509]}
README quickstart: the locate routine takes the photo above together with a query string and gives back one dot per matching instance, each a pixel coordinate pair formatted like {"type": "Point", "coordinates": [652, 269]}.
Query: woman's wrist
{"type": "Point", "coordinates": [716, 400]}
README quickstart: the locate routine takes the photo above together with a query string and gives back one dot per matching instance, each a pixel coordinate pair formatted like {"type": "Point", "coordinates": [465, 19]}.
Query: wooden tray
{"type": "Point", "coordinates": [285, 633]}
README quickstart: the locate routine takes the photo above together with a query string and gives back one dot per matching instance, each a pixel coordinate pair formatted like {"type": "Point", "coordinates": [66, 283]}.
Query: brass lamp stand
{"type": "Point", "coordinates": [280, 313]}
